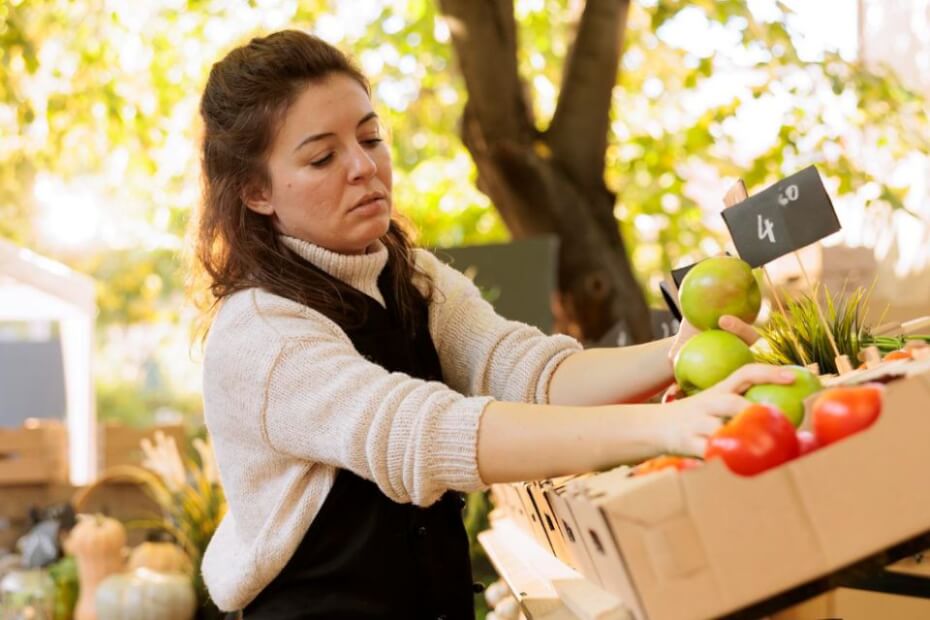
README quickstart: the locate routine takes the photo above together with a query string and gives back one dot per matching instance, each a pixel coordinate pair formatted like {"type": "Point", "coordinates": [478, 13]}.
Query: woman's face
{"type": "Point", "coordinates": [330, 170]}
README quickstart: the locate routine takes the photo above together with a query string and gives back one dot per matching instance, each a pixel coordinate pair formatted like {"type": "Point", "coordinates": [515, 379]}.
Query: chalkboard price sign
{"type": "Point", "coordinates": [788, 216]}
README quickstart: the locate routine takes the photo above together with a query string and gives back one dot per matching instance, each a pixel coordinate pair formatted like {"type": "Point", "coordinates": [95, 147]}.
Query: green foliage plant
{"type": "Point", "coordinates": [799, 336]}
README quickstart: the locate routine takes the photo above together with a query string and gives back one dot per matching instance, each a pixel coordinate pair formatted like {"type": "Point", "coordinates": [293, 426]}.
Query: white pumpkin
{"type": "Point", "coordinates": [145, 594]}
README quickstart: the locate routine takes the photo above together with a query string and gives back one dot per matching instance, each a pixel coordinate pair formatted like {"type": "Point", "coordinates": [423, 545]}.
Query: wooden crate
{"type": "Point", "coordinates": [35, 453]}
{"type": "Point", "coordinates": [126, 502]}
{"type": "Point", "coordinates": [121, 445]}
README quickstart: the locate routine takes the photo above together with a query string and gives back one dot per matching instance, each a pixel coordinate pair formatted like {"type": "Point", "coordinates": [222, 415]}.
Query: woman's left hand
{"type": "Point", "coordinates": [736, 326]}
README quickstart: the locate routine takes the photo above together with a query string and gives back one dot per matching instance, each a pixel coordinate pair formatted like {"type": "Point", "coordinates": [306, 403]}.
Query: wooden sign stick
{"type": "Point", "coordinates": [734, 196]}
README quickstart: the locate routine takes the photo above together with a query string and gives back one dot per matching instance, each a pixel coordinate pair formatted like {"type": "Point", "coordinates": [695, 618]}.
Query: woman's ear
{"type": "Point", "coordinates": [257, 197]}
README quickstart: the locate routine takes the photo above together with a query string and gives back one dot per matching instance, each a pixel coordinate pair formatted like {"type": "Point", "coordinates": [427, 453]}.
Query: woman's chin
{"type": "Point", "coordinates": [366, 243]}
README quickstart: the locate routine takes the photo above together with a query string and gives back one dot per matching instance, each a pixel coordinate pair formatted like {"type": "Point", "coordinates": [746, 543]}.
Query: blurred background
{"type": "Point", "coordinates": [99, 174]}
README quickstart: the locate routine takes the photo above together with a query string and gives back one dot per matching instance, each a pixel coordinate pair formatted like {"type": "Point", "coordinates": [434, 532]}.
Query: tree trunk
{"type": "Point", "coordinates": [552, 182]}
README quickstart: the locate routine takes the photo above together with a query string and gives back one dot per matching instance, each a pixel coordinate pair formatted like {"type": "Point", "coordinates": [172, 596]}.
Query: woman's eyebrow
{"type": "Point", "coordinates": [320, 136]}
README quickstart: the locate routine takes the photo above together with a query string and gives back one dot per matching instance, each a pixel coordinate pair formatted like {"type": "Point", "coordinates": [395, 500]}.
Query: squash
{"type": "Point", "coordinates": [145, 594]}
{"type": "Point", "coordinates": [164, 557]}
{"type": "Point", "coordinates": [96, 543]}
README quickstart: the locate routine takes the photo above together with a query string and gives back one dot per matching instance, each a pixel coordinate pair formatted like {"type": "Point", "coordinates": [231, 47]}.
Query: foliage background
{"type": "Point", "coordinates": [99, 164]}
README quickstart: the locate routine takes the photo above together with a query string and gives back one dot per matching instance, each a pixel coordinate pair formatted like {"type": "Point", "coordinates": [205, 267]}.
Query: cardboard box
{"type": "Point", "coordinates": [511, 504]}
{"type": "Point", "coordinates": [850, 604]}
{"type": "Point", "coordinates": [916, 565]}
{"type": "Point", "coordinates": [578, 556]}
{"type": "Point", "coordinates": [533, 517]}
{"type": "Point", "coordinates": [706, 542]}
{"type": "Point", "coordinates": [549, 521]}
{"type": "Point", "coordinates": [36, 453]}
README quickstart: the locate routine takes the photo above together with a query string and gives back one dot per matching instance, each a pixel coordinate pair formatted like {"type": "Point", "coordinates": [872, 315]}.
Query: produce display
{"type": "Point", "coordinates": [767, 433]}
{"type": "Point", "coordinates": [782, 505]}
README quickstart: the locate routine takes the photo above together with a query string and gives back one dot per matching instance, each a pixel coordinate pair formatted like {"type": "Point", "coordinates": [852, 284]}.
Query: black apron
{"type": "Point", "coordinates": [364, 555]}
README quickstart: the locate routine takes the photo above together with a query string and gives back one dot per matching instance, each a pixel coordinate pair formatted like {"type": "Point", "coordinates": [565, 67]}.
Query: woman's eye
{"type": "Point", "coordinates": [372, 141]}
{"type": "Point", "coordinates": [318, 163]}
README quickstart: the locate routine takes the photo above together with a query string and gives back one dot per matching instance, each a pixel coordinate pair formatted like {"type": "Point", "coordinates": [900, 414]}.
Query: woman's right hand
{"type": "Point", "coordinates": [687, 423]}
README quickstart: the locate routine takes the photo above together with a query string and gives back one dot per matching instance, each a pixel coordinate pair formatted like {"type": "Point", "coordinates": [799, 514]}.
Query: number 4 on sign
{"type": "Point", "coordinates": [766, 229]}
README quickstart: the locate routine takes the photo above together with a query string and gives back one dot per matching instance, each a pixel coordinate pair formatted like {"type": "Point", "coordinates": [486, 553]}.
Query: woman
{"type": "Point", "coordinates": [353, 385]}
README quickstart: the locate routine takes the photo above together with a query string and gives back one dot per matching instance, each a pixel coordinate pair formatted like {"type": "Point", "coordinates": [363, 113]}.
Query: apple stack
{"type": "Point", "coordinates": [714, 288]}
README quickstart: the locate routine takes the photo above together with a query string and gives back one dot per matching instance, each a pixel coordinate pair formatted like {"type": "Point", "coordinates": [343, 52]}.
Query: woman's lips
{"type": "Point", "coordinates": [372, 203]}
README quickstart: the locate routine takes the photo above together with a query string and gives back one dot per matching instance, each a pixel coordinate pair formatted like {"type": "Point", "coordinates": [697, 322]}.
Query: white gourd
{"type": "Point", "coordinates": [145, 594]}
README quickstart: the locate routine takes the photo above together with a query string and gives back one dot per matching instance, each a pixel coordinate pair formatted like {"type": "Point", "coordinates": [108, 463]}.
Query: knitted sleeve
{"type": "Point", "coordinates": [326, 403]}
{"type": "Point", "coordinates": [482, 352]}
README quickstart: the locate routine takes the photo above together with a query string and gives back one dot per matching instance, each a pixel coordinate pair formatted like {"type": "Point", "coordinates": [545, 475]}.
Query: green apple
{"type": "Point", "coordinates": [789, 398]}
{"type": "Point", "coordinates": [717, 286]}
{"type": "Point", "coordinates": [708, 358]}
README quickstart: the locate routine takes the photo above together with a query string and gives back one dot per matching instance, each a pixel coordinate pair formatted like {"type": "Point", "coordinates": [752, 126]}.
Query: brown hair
{"type": "Point", "coordinates": [246, 97]}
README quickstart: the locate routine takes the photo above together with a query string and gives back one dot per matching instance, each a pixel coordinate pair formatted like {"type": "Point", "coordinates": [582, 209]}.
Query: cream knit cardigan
{"type": "Point", "coordinates": [288, 401]}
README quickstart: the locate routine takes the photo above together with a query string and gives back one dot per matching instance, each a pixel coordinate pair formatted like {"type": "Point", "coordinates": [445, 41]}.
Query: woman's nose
{"type": "Point", "coordinates": [361, 167]}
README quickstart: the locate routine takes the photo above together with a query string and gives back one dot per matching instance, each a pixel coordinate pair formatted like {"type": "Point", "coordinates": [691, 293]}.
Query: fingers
{"type": "Point", "coordinates": [685, 332]}
{"type": "Point", "coordinates": [752, 374]}
{"type": "Point", "coordinates": [708, 425]}
{"type": "Point", "coordinates": [695, 419]}
{"type": "Point", "coordinates": [694, 446]}
{"type": "Point", "coordinates": [686, 329]}
{"type": "Point", "coordinates": [738, 327]}
{"type": "Point", "coordinates": [726, 405]}
{"type": "Point", "coordinates": [694, 441]}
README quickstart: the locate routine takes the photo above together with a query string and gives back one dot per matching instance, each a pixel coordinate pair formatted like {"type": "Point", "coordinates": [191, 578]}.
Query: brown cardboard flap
{"type": "Point", "coordinates": [574, 540]}
{"type": "Point", "coordinates": [536, 526]}
{"type": "Point", "coordinates": [657, 564]}
{"type": "Point", "coordinates": [707, 542]}
{"type": "Point", "coordinates": [653, 498]}
{"type": "Point", "coordinates": [850, 604]}
{"type": "Point", "coordinates": [754, 526]}
{"type": "Point", "coordinates": [604, 551]}
{"type": "Point", "coordinates": [916, 565]}
{"type": "Point", "coordinates": [675, 549]}
{"type": "Point", "coordinates": [666, 525]}
{"type": "Point", "coordinates": [870, 490]}
{"type": "Point", "coordinates": [550, 522]}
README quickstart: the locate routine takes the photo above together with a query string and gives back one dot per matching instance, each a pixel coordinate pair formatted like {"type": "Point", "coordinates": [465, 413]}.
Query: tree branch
{"type": "Point", "coordinates": [578, 132]}
{"type": "Point", "coordinates": [484, 34]}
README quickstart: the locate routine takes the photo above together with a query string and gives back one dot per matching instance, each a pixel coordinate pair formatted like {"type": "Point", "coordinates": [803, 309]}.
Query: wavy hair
{"type": "Point", "coordinates": [246, 98]}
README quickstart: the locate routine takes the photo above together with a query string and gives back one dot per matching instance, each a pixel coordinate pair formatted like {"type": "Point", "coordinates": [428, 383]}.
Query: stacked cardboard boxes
{"type": "Point", "coordinates": [707, 543]}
